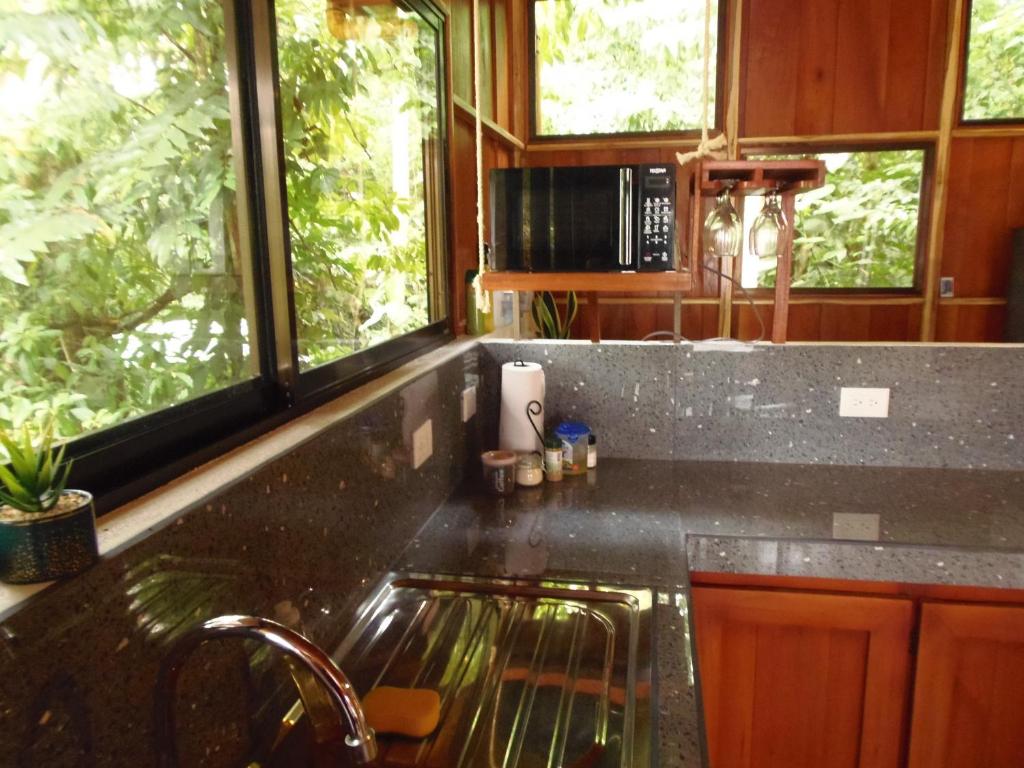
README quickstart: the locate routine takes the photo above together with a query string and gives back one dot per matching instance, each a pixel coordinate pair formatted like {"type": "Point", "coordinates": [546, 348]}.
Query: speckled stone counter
{"type": "Point", "coordinates": [651, 523]}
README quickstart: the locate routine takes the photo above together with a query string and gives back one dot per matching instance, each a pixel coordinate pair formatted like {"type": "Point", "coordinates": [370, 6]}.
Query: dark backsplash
{"type": "Point", "coordinates": [301, 540]}
{"type": "Point", "coordinates": [950, 406]}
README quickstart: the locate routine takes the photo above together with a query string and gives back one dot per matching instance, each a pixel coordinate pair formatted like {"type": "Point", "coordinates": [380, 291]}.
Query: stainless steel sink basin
{"type": "Point", "coordinates": [530, 674]}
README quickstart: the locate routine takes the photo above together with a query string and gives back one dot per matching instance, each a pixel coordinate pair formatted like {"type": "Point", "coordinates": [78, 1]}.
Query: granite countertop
{"type": "Point", "coordinates": [651, 523]}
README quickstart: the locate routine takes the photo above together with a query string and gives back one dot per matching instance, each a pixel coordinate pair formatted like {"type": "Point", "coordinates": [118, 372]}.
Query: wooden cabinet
{"type": "Point", "coordinates": [794, 680]}
{"type": "Point", "coordinates": [969, 688]}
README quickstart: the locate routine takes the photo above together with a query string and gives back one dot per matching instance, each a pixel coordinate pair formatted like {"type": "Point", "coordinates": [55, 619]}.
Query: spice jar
{"type": "Point", "coordinates": [499, 471]}
{"type": "Point", "coordinates": [528, 469]}
{"type": "Point", "coordinates": [575, 438]}
{"type": "Point", "coordinates": [553, 459]}
{"type": "Point", "coordinates": [592, 451]}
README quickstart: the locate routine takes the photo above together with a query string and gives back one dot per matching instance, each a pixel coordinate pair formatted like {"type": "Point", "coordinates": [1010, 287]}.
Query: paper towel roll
{"type": "Point", "coordinates": [520, 383]}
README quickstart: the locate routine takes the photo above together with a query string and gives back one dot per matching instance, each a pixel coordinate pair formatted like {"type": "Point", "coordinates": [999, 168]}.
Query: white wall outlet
{"type": "Point", "coordinates": [422, 444]}
{"type": "Point", "coordinates": [468, 403]}
{"type": "Point", "coordinates": [855, 525]}
{"type": "Point", "coordinates": [864, 402]}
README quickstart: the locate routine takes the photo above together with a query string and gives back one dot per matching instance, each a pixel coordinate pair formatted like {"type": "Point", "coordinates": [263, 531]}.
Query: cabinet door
{"type": "Point", "coordinates": [969, 688]}
{"type": "Point", "coordinates": [795, 680]}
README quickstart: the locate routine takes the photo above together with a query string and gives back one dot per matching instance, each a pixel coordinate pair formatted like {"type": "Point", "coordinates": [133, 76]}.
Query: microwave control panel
{"type": "Point", "coordinates": [657, 217]}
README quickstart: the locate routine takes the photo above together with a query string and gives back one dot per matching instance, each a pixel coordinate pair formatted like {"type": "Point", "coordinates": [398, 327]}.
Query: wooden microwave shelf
{"type": "Point", "coordinates": [589, 282]}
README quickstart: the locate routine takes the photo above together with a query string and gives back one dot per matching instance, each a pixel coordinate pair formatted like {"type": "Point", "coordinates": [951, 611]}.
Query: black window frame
{"type": "Point", "coordinates": [965, 43]}
{"type": "Point", "coordinates": [534, 91]}
{"type": "Point", "coordinates": [924, 210]}
{"type": "Point", "coordinates": [122, 462]}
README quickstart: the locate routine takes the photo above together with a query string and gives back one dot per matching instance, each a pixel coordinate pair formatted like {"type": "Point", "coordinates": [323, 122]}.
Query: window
{"type": "Point", "coordinates": [994, 76]}
{"type": "Point", "coordinates": [361, 133]}
{"type": "Point", "coordinates": [621, 66]}
{"type": "Point", "coordinates": [139, 270]}
{"type": "Point", "coordinates": [858, 231]}
{"type": "Point", "coordinates": [124, 281]}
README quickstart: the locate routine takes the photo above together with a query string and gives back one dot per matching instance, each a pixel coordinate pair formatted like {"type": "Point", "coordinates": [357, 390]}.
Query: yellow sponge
{"type": "Point", "coordinates": [406, 711]}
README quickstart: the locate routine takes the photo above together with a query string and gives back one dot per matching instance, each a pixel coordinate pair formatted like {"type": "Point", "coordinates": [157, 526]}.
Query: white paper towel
{"type": "Point", "coordinates": [520, 383]}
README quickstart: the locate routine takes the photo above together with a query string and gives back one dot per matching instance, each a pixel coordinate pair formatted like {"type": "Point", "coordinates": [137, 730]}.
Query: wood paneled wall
{"type": "Point", "coordinates": [820, 67]}
{"type": "Point", "coordinates": [858, 73]}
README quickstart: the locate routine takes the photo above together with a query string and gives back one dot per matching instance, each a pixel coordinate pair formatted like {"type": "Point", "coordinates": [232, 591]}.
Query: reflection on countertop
{"type": "Point", "coordinates": [651, 523]}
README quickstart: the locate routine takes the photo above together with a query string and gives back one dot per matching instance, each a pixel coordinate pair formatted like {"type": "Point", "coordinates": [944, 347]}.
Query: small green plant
{"type": "Point", "coordinates": [547, 317]}
{"type": "Point", "coordinates": [35, 477]}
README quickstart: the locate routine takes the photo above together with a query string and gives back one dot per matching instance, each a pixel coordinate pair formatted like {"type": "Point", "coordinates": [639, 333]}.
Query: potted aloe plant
{"type": "Point", "coordinates": [46, 531]}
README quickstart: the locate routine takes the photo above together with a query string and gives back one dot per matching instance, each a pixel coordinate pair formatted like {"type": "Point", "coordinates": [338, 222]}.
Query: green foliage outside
{"type": "Point", "coordinates": [857, 231]}
{"type": "Point", "coordinates": [622, 66]}
{"type": "Point", "coordinates": [356, 112]}
{"type": "Point", "coordinates": [995, 62]}
{"type": "Point", "coordinates": [122, 267]}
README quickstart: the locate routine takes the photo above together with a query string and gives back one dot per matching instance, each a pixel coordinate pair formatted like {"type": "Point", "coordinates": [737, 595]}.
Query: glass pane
{"type": "Point", "coordinates": [995, 61]}
{"type": "Point", "coordinates": [622, 66]}
{"type": "Point", "coordinates": [359, 103]}
{"type": "Point", "coordinates": [857, 231]}
{"type": "Point", "coordinates": [122, 270]}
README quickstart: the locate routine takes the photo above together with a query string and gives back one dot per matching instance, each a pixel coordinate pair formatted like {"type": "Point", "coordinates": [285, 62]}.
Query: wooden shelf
{"type": "Point", "coordinates": [588, 282]}
{"type": "Point", "coordinates": [753, 177]}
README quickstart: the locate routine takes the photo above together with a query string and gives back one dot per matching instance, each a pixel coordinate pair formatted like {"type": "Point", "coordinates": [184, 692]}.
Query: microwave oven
{"type": "Point", "coordinates": [609, 218]}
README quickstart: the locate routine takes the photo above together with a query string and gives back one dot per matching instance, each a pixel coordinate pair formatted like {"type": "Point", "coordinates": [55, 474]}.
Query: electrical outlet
{"type": "Point", "coordinates": [855, 525]}
{"type": "Point", "coordinates": [422, 444]}
{"type": "Point", "coordinates": [468, 403]}
{"type": "Point", "coordinates": [864, 402]}
{"type": "Point", "coordinates": [946, 288]}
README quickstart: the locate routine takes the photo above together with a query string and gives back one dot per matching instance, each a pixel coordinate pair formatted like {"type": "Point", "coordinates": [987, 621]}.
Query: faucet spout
{"type": "Point", "coordinates": [342, 696]}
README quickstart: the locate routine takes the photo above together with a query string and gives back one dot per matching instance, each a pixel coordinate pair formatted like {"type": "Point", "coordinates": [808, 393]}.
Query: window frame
{"type": "Point", "coordinates": [961, 94]}
{"type": "Point", "coordinates": [124, 461]}
{"type": "Point", "coordinates": [533, 95]}
{"type": "Point", "coordinates": [924, 213]}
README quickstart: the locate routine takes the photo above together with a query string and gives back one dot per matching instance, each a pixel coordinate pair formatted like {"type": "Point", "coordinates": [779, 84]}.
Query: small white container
{"type": "Point", "coordinates": [529, 471]}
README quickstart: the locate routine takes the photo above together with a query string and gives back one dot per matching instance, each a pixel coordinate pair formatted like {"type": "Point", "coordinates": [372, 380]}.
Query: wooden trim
{"type": "Point", "coordinates": [973, 131]}
{"type": "Point", "coordinates": [866, 139]}
{"type": "Point", "coordinates": [784, 271]}
{"type": "Point", "coordinates": [940, 193]}
{"type": "Point", "coordinates": [519, 95]}
{"type": "Point", "coordinates": [587, 282]}
{"type": "Point", "coordinates": [465, 112]}
{"type": "Point", "coordinates": [668, 141]}
{"type": "Point", "coordinates": [935, 592]}
{"type": "Point", "coordinates": [970, 301]}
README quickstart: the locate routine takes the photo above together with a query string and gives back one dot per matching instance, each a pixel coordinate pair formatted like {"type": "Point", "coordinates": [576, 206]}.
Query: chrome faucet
{"type": "Point", "coordinates": [328, 697]}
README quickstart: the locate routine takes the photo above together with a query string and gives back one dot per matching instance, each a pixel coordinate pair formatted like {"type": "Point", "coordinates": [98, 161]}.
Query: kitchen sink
{"type": "Point", "coordinates": [529, 673]}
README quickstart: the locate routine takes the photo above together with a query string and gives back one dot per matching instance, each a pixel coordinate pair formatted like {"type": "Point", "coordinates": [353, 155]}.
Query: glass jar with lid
{"type": "Point", "coordinates": [575, 438]}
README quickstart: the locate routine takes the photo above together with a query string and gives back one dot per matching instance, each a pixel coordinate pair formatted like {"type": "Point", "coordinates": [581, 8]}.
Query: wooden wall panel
{"type": "Point", "coordinates": [970, 322]}
{"type": "Point", "coordinates": [852, 66]}
{"type": "Point", "coordinates": [986, 201]}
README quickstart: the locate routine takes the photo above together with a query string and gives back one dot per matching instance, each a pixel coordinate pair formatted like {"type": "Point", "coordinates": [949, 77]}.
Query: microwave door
{"type": "Point", "coordinates": [589, 223]}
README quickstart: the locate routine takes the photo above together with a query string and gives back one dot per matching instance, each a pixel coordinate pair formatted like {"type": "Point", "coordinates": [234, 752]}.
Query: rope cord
{"type": "Point", "coordinates": [483, 298]}
{"type": "Point", "coordinates": [714, 148]}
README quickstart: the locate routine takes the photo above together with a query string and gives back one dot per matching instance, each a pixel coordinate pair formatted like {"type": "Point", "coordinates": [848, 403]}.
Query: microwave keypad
{"type": "Point", "coordinates": [656, 228]}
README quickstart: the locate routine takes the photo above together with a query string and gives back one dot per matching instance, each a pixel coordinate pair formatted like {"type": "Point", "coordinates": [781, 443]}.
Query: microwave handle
{"type": "Point", "coordinates": [625, 216]}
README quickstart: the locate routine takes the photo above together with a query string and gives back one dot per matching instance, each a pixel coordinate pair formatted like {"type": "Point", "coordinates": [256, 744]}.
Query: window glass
{"type": "Point", "coordinates": [122, 267]}
{"type": "Point", "coordinates": [621, 66]}
{"type": "Point", "coordinates": [857, 231]}
{"type": "Point", "coordinates": [994, 87]}
{"type": "Point", "coordinates": [359, 104]}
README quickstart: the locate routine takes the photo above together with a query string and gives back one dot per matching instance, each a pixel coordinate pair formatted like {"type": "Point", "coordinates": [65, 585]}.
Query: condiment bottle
{"type": "Point", "coordinates": [553, 459]}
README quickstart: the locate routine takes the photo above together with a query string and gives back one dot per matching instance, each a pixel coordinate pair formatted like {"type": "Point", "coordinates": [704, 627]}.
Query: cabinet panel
{"type": "Point", "coordinates": [792, 680]}
{"type": "Point", "coordinates": [969, 689]}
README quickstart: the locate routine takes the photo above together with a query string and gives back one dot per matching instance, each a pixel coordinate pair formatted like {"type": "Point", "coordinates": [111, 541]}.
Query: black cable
{"type": "Point", "coordinates": [757, 312]}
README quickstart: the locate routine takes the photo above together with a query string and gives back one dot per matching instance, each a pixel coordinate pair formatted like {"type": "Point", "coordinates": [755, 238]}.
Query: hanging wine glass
{"type": "Point", "coordinates": [723, 231]}
{"type": "Point", "coordinates": [767, 230]}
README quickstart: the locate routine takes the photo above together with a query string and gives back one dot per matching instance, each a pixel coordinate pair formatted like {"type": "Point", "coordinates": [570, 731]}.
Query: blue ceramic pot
{"type": "Point", "coordinates": [43, 547]}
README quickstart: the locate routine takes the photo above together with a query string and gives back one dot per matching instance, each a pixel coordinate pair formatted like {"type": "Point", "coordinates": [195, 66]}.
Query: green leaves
{"type": "Point", "coordinates": [548, 319]}
{"type": "Point", "coordinates": [35, 478]}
